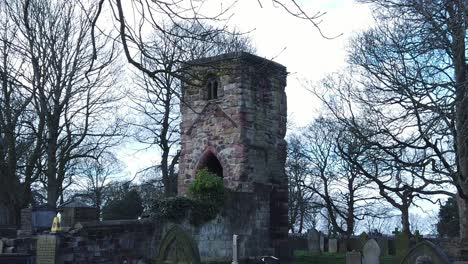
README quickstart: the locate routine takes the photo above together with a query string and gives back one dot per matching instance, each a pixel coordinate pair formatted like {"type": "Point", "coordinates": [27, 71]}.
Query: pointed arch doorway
{"type": "Point", "coordinates": [211, 162]}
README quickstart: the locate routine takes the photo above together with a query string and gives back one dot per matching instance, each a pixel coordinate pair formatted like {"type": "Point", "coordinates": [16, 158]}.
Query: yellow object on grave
{"type": "Point", "coordinates": [55, 225]}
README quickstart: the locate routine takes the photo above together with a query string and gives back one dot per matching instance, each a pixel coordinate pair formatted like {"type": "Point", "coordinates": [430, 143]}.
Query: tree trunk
{"type": "Point", "coordinates": [405, 221]}
{"type": "Point", "coordinates": [462, 211]}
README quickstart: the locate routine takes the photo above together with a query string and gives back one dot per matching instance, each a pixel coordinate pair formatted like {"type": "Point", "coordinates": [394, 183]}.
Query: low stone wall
{"type": "Point", "coordinates": [124, 241]}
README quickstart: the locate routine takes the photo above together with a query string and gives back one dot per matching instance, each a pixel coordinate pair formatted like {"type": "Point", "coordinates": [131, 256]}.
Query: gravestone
{"type": "Point", "coordinates": [424, 252]}
{"type": "Point", "coordinates": [391, 246]}
{"type": "Point", "coordinates": [332, 245]}
{"type": "Point", "coordinates": [402, 244]}
{"type": "Point", "coordinates": [322, 243]}
{"type": "Point", "coordinates": [178, 247]}
{"type": "Point", "coordinates": [46, 252]}
{"type": "Point", "coordinates": [354, 244]}
{"type": "Point", "coordinates": [313, 240]}
{"type": "Point", "coordinates": [383, 245]}
{"type": "Point", "coordinates": [343, 245]}
{"type": "Point", "coordinates": [353, 257]}
{"type": "Point", "coordinates": [363, 237]}
{"type": "Point", "coordinates": [371, 252]}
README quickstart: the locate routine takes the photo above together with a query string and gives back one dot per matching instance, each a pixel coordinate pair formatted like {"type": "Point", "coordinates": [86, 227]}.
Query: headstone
{"type": "Point", "coordinates": [391, 246]}
{"type": "Point", "coordinates": [332, 245]}
{"type": "Point", "coordinates": [353, 257]}
{"type": "Point", "coordinates": [235, 249]}
{"type": "Point", "coordinates": [46, 250]}
{"type": "Point", "coordinates": [424, 252]}
{"type": "Point", "coordinates": [363, 237]}
{"type": "Point", "coordinates": [354, 243]}
{"type": "Point", "coordinates": [313, 240]}
{"type": "Point", "coordinates": [322, 243]}
{"type": "Point", "coordinates": [402, 244]}
{"type": "Point", "coordinates": [383, 245]}
{"type": "Point", "coordinates": [371, 252]}
{"type": "Point", "coordinates": [343, 245]}
{"type": "Point", "coordinates": [177, 246]}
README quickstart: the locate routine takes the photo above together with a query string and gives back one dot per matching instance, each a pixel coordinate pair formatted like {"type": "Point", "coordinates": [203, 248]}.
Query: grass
{"type": "Point", "coordinates": [305, 257]}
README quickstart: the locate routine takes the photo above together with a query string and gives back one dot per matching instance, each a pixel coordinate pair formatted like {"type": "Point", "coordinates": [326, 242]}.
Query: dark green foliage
{"type": "Point", "coordinates": [207, 196]}
{"type": "Point", "coordinates": [448, 224]}
{"type": "Point", "coordinates": [173, 209]}
{"type": "Point", "coordinates": [128, 206]}
{"type": "Point", "coordinates": [207, 187]}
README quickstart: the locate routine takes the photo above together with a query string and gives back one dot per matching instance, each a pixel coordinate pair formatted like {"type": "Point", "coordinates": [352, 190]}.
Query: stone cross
{"type": "Point", "coordinates": [353, 257]}
{"type": "Point", "coordinates": [371, 252]}
{"type": "Point", "coordinates": [313, 240]}
{"type": "Point", "coordinates": [332, 245]}
{"type": "Point", "coordinates": [235, 249]}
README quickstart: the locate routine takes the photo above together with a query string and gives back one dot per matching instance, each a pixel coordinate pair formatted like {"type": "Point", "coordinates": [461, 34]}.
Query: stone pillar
{"type": "Point", "coordinates": [235, 249]}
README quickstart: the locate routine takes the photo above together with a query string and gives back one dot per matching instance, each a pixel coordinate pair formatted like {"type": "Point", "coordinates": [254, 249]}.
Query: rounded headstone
{"type": "Point", "coordinates": [371, 252]}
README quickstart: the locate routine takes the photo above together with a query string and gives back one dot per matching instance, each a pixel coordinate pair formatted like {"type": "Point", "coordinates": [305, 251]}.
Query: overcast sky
{"type": "Point", "coordinates": [292, 42]}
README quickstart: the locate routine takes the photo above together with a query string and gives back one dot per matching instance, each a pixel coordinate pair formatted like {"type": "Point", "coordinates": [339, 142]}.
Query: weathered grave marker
{"type": "Point", "coordinates": [371, 252]}
{"type": "Point", "coordinates": [313, 240]}
{"type": "Point", "coordinates": [46, 251]}
{"type": "Point", "coordinates": [423, 252]}
{"type": "Point", "coordinates": [383, 245]}
{"type": "Point", "coordinates": [353, 257]}
{"type": "Point", "coordinates": [402, 244]}
{"type": "Point", "coordinates": [332, 245]}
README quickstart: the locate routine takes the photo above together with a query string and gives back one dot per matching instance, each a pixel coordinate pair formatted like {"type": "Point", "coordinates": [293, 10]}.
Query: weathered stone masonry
{"type": "Point", "coordinates": [238, 132]}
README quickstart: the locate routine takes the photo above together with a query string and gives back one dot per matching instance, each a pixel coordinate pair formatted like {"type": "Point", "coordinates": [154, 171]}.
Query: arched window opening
{"type": "Point", "coordinates": [212, 87]}
{"type": "Point", "coordinates": [211, 163]}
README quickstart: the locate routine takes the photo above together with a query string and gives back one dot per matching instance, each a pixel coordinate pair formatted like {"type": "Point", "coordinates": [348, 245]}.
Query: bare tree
{"type": "Point", "coordinates": [303, 209]}
{"type": "Point", "coordinates": [406, 97]}
{"type": "Point", "coordinates": [343, 192]}
{"type": "Point", "coordinates": [94, 177]}
{"type": "Point", "coordinates": [72, 91]}
{"type": "Point", "coordinates": [20, 149]}
{"type": "Point", "coordinates": [418, 59]}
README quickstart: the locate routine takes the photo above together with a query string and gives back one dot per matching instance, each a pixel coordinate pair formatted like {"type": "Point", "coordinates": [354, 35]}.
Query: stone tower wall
{"type": "Point", "coordinates": [244, 128]}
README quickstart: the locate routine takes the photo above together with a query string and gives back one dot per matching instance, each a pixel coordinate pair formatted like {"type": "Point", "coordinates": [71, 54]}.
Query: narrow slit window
{"type": "Point", "coordinates": [212, 87]}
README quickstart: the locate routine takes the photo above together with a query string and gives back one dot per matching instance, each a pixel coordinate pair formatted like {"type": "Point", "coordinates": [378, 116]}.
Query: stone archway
{"type": "Point", "coordinates": [177, 247]}
{"type": "Point", "coordinates": [210, 162]}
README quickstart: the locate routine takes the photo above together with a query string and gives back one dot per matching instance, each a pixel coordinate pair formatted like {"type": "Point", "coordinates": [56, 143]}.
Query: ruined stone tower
{"type": "Point", "coordinates": [234, 123]}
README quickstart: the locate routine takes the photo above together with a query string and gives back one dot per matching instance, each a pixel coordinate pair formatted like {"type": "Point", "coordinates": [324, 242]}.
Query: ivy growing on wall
{"type": "Point", "coordinates": [207, 196]}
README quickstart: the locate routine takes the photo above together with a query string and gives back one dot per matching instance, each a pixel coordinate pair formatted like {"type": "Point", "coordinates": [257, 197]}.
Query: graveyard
{"type": "Point", "coordinates": [233, 132]}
